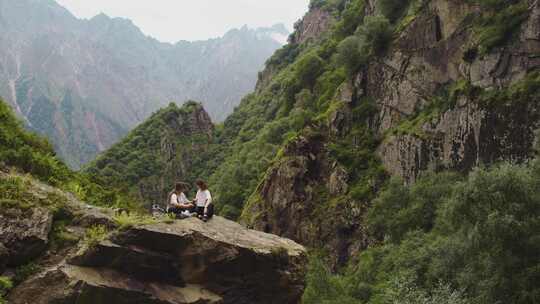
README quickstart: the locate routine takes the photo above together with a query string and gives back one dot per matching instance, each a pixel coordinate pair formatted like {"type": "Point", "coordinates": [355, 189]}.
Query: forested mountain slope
{"type": "Point", "coordinates": [85, 83]}
{"type": "Point", "coordinates": [386, 89]}
{"type": "Point", "coordinates": [174, 144]}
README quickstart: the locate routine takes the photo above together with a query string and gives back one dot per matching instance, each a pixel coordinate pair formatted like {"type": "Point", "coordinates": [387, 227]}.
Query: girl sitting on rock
{"type": "Point", "coordinates": [178, 202]}
{"type": "Point", "coordinates": [203, 201]}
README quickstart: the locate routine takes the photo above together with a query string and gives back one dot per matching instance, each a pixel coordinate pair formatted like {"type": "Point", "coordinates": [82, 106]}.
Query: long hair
{"type": "Point", "coordinates": [201, 184]}
{"type": "Point", "coordinates": [179, 187]}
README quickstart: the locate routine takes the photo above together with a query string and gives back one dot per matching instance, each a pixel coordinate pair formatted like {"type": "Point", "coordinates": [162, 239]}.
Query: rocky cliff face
{"type": "Point", "coordinates": [156, 261]}
{"type": "Point", "coordinates": [171, 146]}
{"type": "Point", "coordinates": [316, 22]}
{"type": "Point", "coordinates": [85, 83]}
{"type": "Point", "coordinates": [435, 51]}
{"type": "Point", "coordinates": [437, 102]}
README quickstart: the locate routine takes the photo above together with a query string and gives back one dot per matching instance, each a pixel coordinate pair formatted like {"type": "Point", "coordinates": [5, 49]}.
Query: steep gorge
{"type": "Point", "coordinates": [425, 105]}
{"type": "Point", "coordinates": [307, 152]}
{"type": "Point", "coordinates": [368, 137]}
{"type": "Point", "coordinates": [374, 137]}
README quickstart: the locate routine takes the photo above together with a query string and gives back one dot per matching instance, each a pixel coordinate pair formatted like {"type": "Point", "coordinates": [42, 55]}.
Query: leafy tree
{"type": "Point", "coordinates": [392, 9]}
{"type": "Point", "coordinates": [350, 56]}
{"type": "Point", "coordinates": [323, 287]}
{"type": "Point", "coordinates": [308, 69]}
{"type": "Point", "coordinates": [377, 34]}
{"type": "Point", "coordinates": [351, 17]}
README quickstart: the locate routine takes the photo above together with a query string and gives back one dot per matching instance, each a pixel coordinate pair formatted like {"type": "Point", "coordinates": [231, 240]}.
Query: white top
{"type": "Point", "coordinates": [178, 199]}
{"type": "Point", "coordinates": [183, 199]}
{"type": "Point", "coordinates": [203, 198]}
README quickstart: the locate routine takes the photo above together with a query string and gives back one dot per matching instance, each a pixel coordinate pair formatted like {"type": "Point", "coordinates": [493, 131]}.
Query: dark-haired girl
{"type": "Point", "coordinates": [177, 201]}
{"type": "Point", "coordinates": [203, 201]}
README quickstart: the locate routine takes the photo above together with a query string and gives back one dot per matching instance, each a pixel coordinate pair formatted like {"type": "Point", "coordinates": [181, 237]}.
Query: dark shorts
{"type": "Point", "coordinates": [200, 211]}
{"type": "Point", "coordinates": [178, 210]}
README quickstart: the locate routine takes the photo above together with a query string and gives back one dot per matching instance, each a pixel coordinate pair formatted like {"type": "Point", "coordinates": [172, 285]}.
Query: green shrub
{"type": "Point", "coordinates": [499, 23]}
{"type": "Point", "coordinates": [403, 290]}
{"type": "Point", "coordinates": [323, 287]}
{"type": "Point", "coordinates": [377, 34]}
{"type": "Point", "coordinates": [286, 55]}
{"type": "Point", "coordinates": [308, 69]}
{"type": "Point", "coordinates": [60, 237]}
{"type": "Point", "coordinates": [399, 209]}
{"type": "Point", "coordinates": [126, 220]}
{"type": "Point", "coordinates": [95, 235]}
{"type": "Point", "coordinates": [392, 9]}
{"type": "Point", "coordinates": [350, 55]}
{"type": "Point", "coordinates": [351, 17]}
{"type": "Point", "coordinates": [14, 193]}
{"type": "Point", "coordinates": [5, 287]}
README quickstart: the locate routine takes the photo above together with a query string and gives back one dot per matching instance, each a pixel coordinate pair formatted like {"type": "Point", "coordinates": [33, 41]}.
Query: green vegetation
{"type": "Point", "coordinates": [308, 69]}
{"type": "Point", "coordinates": [300, 95]}
{"type": "Point", "coordinates": [5, 286]}
{"type": "Point", "coordinates": [498, 22]}
{"type": "Point", "coordinates": [352, 15]}
{"type": "Point", "coordinates": [371, 39]}
{"type": "Point", "coordinates": [158, 153]}
{"type": "Point", "coordinates": [126, 220]}
{"type": "Point", "coordinates": [29, 153]}
{"type": "Point", "coordinates": [447, 238]}
{"type": "Point", "coordinates": [522, 92]}
{"type": "Point", "coordinates": [350, 55]}
{"type": "Point", "coordinates": [24, 272]}
{"type": "Point", "coordinates": [60, 237]}
{"type": "Point", "coordinates": [376, 34]}
{"type": "Point", "coordinates": [95, 235]}
{"type": "Point", "coordinates": [15, 192]}
{"type": "Point", "coordinates": [392, 9]}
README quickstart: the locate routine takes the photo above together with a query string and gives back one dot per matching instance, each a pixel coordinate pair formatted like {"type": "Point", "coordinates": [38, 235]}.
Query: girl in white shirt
{"type": "Point", "coordinates": [203, 201]}
{"type": "Point", "coordinates": [178, 201]}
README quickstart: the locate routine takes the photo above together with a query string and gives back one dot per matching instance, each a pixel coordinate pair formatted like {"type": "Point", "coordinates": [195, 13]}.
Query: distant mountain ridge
{"type": "Point", "coordinates": [85, 82]}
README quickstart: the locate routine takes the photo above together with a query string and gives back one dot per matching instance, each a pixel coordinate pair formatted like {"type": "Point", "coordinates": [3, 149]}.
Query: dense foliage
{"type": "Point", "coordinates": [171, 146]}
{"type": "Point", "coordinates": [476, 237]}
{"type": "Point", "coordinates": [29, 153]}
{"type": "Point", "coordinates": [498, 23]}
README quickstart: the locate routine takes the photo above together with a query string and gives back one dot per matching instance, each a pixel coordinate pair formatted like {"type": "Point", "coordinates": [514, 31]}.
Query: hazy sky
{"type": "Point", "coordinates": [173, 20]}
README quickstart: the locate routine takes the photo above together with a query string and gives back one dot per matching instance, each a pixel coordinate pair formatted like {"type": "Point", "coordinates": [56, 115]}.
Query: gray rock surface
{"type": "Point", "coordinates": [316, 22]}
{"type": "Point", "coordinates": [428, 55]}
{"type": "Point", "coordinates": [24, 233]}
{"type": "Point", "coordinates": [188, 261]}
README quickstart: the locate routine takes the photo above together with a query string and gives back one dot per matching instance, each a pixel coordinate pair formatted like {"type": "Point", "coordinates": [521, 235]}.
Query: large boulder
{"type": "Point", "coordinates": [188, 261]}
{"type": "Point", "coordinates": [24, 234]}
{"type": "Point", "coordinates": [67, 284]}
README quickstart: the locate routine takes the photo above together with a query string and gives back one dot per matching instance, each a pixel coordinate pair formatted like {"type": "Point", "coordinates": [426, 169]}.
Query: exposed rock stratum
{"type": "Point", "coordinates": [186, 261]}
